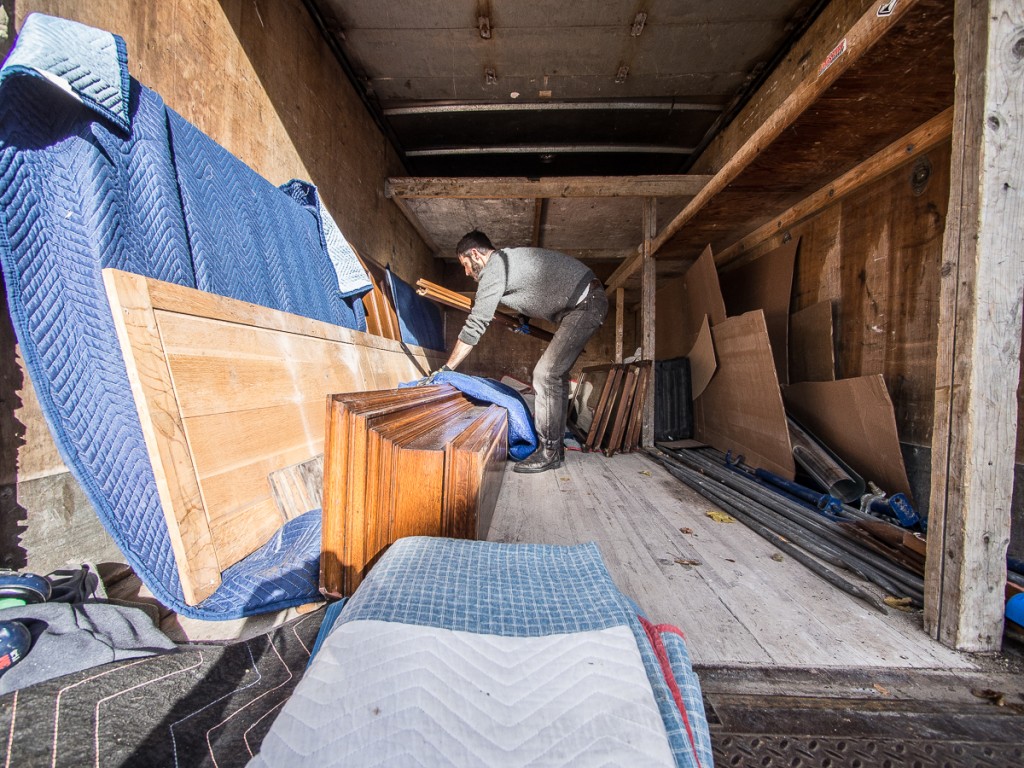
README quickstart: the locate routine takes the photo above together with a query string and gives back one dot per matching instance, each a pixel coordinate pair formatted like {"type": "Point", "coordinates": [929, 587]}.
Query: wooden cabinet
{"type": "Point", "coordinates": [421, 461]}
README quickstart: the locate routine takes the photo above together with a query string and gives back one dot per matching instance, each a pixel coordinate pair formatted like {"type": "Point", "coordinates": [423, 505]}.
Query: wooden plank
{"type": "Point", "coordinates": [298, 488]}
{"type": "Point", "coordinates": [557, 186]}
{"type": "Point", "coordinates": [620, 315]}
{"type": "Point", "coordinates": [923, 138]}
{"type": "Point", "coordinates": [421, 230]}
{"type": "Point", "coordinates": [812, 347]}
{"type": "Point", "coordinates": [177, 485]}
{"type": "Point", "coordinates": [603, 411]}
{"type": "Point", "coordinates": [474, 470]}
{"type": "Point", "coordinates": [623, 405]}
{"type": "Point", "coordinates": [979, 334]}
{"type": "Point", "coordinates": [648, 319]}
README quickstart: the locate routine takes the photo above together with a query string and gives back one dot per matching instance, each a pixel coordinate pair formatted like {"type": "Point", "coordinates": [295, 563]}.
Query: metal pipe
{"type": "Point", "coordinates": [867, 562]}
{"type": "Point", "coordinates": [799, 515]}
{"type": "Point", "coordinates": [738, 511]}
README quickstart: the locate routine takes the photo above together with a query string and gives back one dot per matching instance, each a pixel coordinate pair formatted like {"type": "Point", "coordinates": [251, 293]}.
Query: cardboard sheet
{"type": "Point", "coordinates": [682, 304]}
{"type": "Point", "coordinates": [766, 283]}
{"type": "Point", "coordinates": [741, 409]}
{"type": "Point", "coordinates": [702, 360]}
{"type": "Point", "coordinates": [811, 351]}
{"type": "Point", "coordinates": [855, 419]}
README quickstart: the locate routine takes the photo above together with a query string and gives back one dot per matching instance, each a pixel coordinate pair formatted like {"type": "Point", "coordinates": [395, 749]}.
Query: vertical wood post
{"type": "Point", "coordinates": [973, 440]}
{"type": "Point", "coordinates": [647, 284]}
{"type": "Point", "coordinates": [620, 318]}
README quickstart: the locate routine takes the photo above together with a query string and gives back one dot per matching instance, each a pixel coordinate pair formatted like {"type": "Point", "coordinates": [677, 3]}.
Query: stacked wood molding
{"type": "Point", "coordinates": [420, 461]}
{"type": "Point", "coordinates": [615, 395]}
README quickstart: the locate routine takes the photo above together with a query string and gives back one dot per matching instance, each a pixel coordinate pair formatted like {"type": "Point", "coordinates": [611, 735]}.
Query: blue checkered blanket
{"type": "Point", "coordinates": [468, 589]}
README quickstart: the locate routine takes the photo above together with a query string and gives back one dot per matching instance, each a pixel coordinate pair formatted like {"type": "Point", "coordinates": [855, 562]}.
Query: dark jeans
{"type": "Point", "coordinates": [551, 375]}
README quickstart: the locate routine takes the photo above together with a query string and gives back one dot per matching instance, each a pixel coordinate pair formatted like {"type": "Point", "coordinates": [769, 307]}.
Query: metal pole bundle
{"type": "Point", "coordinates": [773, 515]}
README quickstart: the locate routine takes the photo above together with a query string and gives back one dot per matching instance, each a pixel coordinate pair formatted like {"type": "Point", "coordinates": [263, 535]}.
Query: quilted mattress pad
{"type": "Point", "coordinates": [477, 653]}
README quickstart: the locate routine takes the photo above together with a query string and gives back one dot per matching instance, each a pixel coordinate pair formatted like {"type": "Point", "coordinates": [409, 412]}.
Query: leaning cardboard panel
{"type": "Point", "coordinates": [741, 408]}
{"type": "Point", "coordinates": [682, 304]}
{"type": "Point", "coordinates": [811, 350]}
{"type": "Point", "coordinates": [855, 418]}
{"type": "Point", "coordinates": [765, 283]}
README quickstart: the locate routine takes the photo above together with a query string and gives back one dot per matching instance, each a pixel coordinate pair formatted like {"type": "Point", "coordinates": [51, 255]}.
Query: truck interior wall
{"type": "Point", "coordinates": [260, 80]}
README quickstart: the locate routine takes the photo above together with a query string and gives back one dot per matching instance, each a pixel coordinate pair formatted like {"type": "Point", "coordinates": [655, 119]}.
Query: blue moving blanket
{"type": "Point", "coordinates": [478, 653]}
{"type": "Point", "coordinates": [96, 172]}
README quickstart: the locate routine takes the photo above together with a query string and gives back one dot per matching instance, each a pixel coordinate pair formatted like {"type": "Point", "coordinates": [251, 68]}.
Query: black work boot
{"type": "Point", "coordinates": [547, 456]}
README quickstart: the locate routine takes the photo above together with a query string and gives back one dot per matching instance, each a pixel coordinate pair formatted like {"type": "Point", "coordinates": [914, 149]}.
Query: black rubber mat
{"type": "Point", "coordinates": [206, 704]}
{"type": "Point", "coordinates": [864, 718]}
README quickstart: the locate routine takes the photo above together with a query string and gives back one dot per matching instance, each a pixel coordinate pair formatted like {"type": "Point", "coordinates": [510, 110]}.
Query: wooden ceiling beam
{"type": "Point", "coordinates": [858, 40]}
{"type": "Point", "coordinates": [685, 185]}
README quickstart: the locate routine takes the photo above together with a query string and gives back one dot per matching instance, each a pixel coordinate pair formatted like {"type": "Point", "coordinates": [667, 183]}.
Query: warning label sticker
{"type": "Point", "coordinates": [838, 51]}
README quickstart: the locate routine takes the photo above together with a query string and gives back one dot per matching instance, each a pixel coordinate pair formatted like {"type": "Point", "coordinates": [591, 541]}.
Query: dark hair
{"type": "Point", "coordinates": [475, 239]}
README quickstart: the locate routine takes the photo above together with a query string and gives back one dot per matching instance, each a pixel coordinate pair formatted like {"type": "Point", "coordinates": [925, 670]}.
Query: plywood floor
{"type": "Point", "coordinates": [739, 606]}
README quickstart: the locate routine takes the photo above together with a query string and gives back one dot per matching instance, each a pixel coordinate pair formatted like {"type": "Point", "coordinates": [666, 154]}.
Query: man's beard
{"type": "Point", "coordinates": [475, 268]}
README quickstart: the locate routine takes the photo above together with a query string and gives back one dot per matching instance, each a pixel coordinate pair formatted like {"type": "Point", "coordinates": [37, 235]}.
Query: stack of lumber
{"type": "Point", "coordinates": [608, 407]}
{"type": "Point", "coordinates": [421, 461]}
{"type": "Point", "coordinates": [448, 298]}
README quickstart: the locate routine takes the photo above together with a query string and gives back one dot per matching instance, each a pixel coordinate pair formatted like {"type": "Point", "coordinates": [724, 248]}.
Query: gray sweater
{"type": "Point", "coordinates": [535, 282]}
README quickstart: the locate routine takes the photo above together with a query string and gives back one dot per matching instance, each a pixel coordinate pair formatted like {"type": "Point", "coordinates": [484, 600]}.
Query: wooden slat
{"type": "Point", "coordinates": [648, 320]}
{"type": "Point", "coordinates": [979, 334]}
{"type": "Point", "coordinates": [622, 409]}
{"type": "Point", "coordinates": [602, 413]}
{"type": "Point", "coordinates": [567, 186]}
{"type": "Point", "coordinates": [298, 488]}
{"type": "Point", "coordinates": [176, 481]}
{"type": "Point", "coordinates": [474, 469]}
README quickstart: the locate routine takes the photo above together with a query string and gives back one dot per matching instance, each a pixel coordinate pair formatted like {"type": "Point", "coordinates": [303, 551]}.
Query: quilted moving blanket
{"type": "Point", "coordinates": [95, 171]}
{"type": "Point", "coordinates": [473, 653]}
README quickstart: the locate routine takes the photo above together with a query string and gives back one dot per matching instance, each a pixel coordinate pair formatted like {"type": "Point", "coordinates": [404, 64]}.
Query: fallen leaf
{"type": "Point", "coordinates": [564, 479]}
{"type": "Point", "coordinates": [646, 473]}
{"type": "Point", "coordinates": [899, 603]}
{"type": "Point", "coordinates": [684, 561]}
{"type": "Point", "coordinates": [687, 531]}
{"type": "Point", "coordinates": [778, 558]}
{"type": "Point", "coordinates": [881, 689]}
{"type": "Point", "coordinates": [720, 517]}
{"type": "Point", "coordinates": [996, 697]}
{"type": "Point", "coordinates": [729, 560]}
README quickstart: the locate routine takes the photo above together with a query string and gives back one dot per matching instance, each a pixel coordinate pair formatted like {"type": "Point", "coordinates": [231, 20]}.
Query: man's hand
{"type": "Point", "coordinates": [434, 374]}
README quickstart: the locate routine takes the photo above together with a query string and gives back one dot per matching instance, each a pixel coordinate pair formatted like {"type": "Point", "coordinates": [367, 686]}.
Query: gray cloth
{"type": "Point", "coordinates": [69, 637]}
{"type": "Point", "coordinates": [535, 282]}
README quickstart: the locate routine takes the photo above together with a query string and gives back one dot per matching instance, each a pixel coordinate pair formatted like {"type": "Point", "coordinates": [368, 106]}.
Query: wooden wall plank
{"type": "Point", "coordinates": [979, 333]}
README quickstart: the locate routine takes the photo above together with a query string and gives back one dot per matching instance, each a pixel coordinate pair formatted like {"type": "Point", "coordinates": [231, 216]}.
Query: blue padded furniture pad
{"type": "Point", "coordinates": [78, 194]}
{"type": "Point", "coordinates": [250, 240]}
{"type": "Point", "coordinates": [419, 319]}
{"type": "Point", "coordinates": [522, 436]}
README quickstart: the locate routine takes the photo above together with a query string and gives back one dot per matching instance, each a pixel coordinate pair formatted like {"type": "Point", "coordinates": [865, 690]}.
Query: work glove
{"type": "Point", "coordinates": [434, 374]}
{"type": "Point", "coordinates": [524, 325]}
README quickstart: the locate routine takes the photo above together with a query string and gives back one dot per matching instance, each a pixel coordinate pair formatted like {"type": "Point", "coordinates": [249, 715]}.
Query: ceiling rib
{"type": "Point", "coordinates": [551, 149]}
{"type": "Point", "coordinates": [554, 106]}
